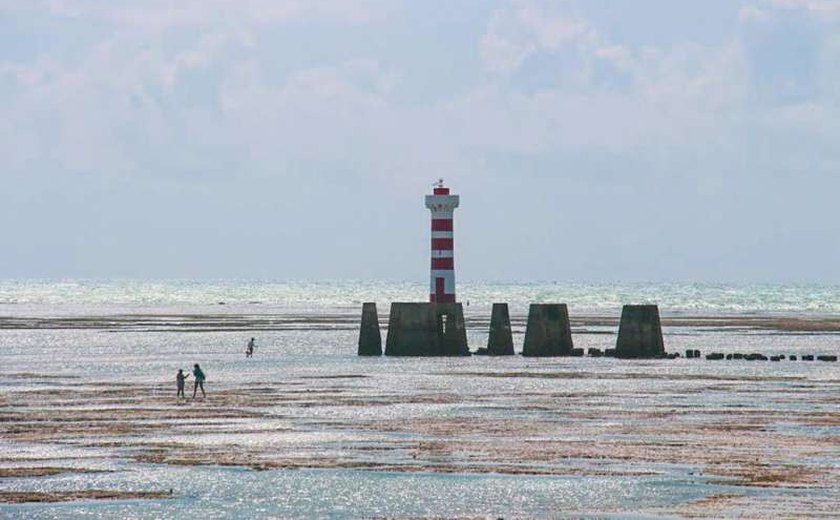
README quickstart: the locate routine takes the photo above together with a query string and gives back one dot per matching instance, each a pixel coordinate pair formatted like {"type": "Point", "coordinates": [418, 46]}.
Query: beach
{"type": "Point", "coordinates": [90, 424]}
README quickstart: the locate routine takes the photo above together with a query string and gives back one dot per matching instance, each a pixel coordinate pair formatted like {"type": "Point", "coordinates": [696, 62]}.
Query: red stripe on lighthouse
{"type": "Point", "coordinates": [443, 263]}
{"type": "Point", "coordinates": [439, 224]}
{"type": "Point", "coordinates": [442, 244]}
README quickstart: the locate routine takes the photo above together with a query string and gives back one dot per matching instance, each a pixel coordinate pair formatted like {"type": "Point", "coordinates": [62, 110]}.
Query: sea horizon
{"type": "Point", "coordinates": [587, 297]}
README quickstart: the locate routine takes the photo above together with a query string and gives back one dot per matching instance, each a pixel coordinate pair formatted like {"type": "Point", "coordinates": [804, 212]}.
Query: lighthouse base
{"type": "Point", "coordinates": [426, 329]}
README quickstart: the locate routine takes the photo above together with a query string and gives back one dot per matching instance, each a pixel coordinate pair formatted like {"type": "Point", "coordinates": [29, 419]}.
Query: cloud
{"type": "Point", "coordinates": [824, 8]}
{"type": "Point", "coordinates": [161, 15]}
{"type": "Point", "coordinates": [253, 101]}
{"type": "Point", "coordinates": [754, 14]}
{"type": "Point", "coordinates": [764, 10]}
{"type": "Point", "coordinates": [126, 107]}
{"type": "Point", "coordinates": [324, 111]}
{"type": "Point", "coordinates": [125, 104]}
{"type": "Point", "coordinates": [673, 97]}
{"type": "Point", "coordinates": [602, 92]}
{"type": "Point", "coordinates": [618, 55]}
{"type": "Point", "coordinates": [515, 33]}
{"type": "Point", "coordinates": [129, 100]}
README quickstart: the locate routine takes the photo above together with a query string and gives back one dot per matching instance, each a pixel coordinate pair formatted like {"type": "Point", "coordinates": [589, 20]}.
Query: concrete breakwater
{"type": "Point", "coordinates": [434, 329]}
{"type": "Point", "coordinates": [426, 329]}
{"type": "Point", "coordinates": [370, 339]}
{"type": "Point", "coordinates": [500, 339]}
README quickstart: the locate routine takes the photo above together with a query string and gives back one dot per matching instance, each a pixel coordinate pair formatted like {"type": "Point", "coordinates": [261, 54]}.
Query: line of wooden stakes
{"type": "Point", "coordinates": [437, 329]}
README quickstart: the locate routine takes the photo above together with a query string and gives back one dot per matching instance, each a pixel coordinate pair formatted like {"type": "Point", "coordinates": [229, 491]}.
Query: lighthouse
{"type": "Point", "coordinates": [442, 204]}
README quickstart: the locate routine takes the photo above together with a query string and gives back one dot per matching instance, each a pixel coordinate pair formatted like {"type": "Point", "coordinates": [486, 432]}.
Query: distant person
{"type": "Point", "coordinates": [180, 379]}
{"type": "Point", "coordinates": [199, 380]}
{"type": "Point", "coordinates": [249, 350]}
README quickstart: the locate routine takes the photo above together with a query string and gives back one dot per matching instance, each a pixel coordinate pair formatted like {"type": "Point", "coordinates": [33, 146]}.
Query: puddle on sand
{"type": "Point", "coordinates": [214, 492]}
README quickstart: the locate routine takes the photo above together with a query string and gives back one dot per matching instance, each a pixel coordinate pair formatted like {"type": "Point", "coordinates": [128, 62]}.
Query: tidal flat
{"type": "Point", "coordinates": [90, 425]}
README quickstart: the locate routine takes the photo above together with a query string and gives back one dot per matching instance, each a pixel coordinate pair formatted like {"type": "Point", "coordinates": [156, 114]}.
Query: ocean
{"type": "Point", "coordinates": [307, 429]}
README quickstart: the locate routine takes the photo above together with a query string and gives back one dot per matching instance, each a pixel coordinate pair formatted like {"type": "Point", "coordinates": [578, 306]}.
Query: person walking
{"type": "Point", "coordinates": [180, 380]}
{"type": "Point", "coordinates": [199, 380]}
{"type": "Point", "coordinates": [249, 350]}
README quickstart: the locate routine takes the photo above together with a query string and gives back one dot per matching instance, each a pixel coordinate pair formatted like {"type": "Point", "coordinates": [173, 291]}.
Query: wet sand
{"type": "Point", "coordinates": [350, 321]}
{"type": "Point", "coordinates": [770, 436]}
{"type": "Point", "coordinates": [780, 433]}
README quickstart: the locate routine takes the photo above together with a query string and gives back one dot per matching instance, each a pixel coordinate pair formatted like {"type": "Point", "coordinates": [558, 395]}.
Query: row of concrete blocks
{"type": "Point", "coordinates": [716, 356]}
{"type": "Point", "coordinates": [430, 329]}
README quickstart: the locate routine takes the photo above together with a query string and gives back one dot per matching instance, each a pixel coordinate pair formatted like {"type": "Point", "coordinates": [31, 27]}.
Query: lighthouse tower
{"type": "Point", "coordinates": [442, 206]}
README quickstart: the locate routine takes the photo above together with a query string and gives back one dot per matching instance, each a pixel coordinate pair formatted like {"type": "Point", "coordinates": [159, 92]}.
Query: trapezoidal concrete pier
{"type": "Point", "coordinates": [370, 339]}
{"type": "Point", "coordinates": [548, 332]}
{"type": "Point", "coordinates": [426, 329]}
{"type": "Point", "coordinates": [640, 333]}
{"type": "Point", "coordinates": [500, 341]}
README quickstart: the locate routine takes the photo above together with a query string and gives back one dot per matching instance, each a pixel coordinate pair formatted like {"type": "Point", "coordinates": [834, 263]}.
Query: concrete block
{"type": "Point", "coordinates": [714, 356]}
{"type": "Point", "coordinates": [826, 358]}
{"type": "Point", "coordinates": [370, 339]}
{"type": "Point", "coordinates": [640, 333]}
{"type": "Point", "coordinates": [577, 352]}
{"type": "Point", "coordinates": [426, 329]}
{"type": "Point", "coordinates": [500, 341]}
{"type": "Point", "coordinates": [808, 357]}
{"type": "Point", "coordinates": [548, 332]}
{"type": "Point", "coordinates": [609, 352]}
{"type": "Point", "coordinates": [595, 352]}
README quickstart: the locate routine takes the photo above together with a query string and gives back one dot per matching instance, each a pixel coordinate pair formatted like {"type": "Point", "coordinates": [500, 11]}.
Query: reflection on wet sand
{"type": "Point", "coordinates": [749, 431]}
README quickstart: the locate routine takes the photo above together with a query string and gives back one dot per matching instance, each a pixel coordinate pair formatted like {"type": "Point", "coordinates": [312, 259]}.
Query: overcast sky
{"type": "Point", "coordinates": [296, 139]}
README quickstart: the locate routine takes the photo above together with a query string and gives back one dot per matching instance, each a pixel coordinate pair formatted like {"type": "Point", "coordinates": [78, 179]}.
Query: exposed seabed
{"type": "Point", "coordinates": [90, 429]}
{"type": "Point", "coordinates": [540, 441]}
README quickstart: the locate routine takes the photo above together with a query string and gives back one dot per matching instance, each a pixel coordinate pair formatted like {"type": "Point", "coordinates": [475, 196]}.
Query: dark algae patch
{"type": "Point", "coordinates": [20, 497]}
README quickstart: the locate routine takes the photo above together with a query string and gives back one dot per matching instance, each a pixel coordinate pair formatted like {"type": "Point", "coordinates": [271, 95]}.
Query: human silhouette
{"type": "Point", "coordinates": [249, 350]}
{"type": "Point", "coordinates": [199, 380]}
{"type": "Point", "coordinates": [180, 379]}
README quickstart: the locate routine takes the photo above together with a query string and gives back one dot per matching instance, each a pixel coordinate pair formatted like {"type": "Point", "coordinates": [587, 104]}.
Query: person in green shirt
{"type": "Point", "coordinates": [199, 380]}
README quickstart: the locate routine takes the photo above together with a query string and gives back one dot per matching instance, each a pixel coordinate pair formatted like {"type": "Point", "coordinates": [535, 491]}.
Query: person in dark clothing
{"type": "Point", "coordinates": [199, 380]}
{"type": "Point", "coordinates": [249, 350]}
{"type": "Point", "coordinates": [180, 379]}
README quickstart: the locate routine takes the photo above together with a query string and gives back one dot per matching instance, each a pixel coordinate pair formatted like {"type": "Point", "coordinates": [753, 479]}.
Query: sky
{"type": "Point", "coordinates": [589, 140]}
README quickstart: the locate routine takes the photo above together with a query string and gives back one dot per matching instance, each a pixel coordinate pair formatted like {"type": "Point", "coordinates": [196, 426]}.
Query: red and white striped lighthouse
{"type": "Point", "coordinates": [442, 206]}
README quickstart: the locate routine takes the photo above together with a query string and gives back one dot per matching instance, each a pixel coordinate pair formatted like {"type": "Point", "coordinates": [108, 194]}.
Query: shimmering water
{"type": "Point", "coordinates": [144, 331]}
{"type": "Point", "coordinates": [237, 493]}
{"type": "Point", "coordinates": [87, 296]}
